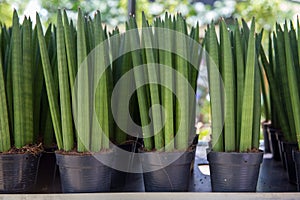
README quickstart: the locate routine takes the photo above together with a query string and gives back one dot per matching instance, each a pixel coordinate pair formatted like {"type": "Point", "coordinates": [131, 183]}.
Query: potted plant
{"type": "Point", "coordinates": [284, 89]}
{"type": "Point", "coordinates": [20, 152]}
{"type": "Point", "coordinates": [235, 106]}
{"type": "Point", "coordinates": [283, 133]}
{"type": "Point", "coordinates": [163, 76]}
{"type": "Point", "coordinates": [82, 146]}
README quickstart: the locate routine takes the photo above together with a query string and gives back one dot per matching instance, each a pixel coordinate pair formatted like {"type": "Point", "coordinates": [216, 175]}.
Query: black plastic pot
{"type": "Point", "coordinates": [274, 144]}
{"type": "Point", "coordinates": [84, 173]}
{"type": "Point", "coordinates": [18, 172]}
{"type": "Point", "coordinates": [234, 172]}
{"type": "Point", "coordinates": [265, 127]}
{"type": "Point", "coordinates": [288, 148]}
{"type": "Point", "coordinates": [296, 157]}
{"type": "Point", "coordinates": [48, 180]}
{"type": "Point", "coordinates": [123, 180]}
{"type": "Point", "coordinates": [167, 171]}
{"type": "Point", "coordinates": [280, 139]}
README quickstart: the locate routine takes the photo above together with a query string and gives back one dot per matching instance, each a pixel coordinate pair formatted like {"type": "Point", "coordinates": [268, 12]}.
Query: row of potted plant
{"type": "Point", "coordinates": [92, 90]}
{"type": "Point", "coordinates": [282, 71]}
{"type": "Point", "coordinates": [125, 102]}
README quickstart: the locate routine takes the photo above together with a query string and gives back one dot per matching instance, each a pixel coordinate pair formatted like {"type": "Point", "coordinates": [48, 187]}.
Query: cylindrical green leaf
{"type": "Point", "coordinates": [49, 80]}
{"type": "Point", "coordinates": [227, 71]}
{"type": "Point", "coordinates": [64, 87]}
{"type": "Point", "coordinates": [17, 83]}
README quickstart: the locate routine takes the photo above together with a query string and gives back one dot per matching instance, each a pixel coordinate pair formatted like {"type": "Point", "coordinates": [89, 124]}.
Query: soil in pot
{"type": "Point", "coordinates": [18, 170]}
{"type": "Point", "coordinates": [84, 172]}
{"type": "Point", "coordinates": [288, 148]}
{"type": "Point", "coordinates": [167, 171]}
{"type": "Point", "coordinates": [234, 172]}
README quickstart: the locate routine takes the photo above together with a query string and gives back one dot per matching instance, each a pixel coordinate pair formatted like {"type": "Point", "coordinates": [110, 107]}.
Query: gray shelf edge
{"type": "Point", "coordinates": [153, 196]}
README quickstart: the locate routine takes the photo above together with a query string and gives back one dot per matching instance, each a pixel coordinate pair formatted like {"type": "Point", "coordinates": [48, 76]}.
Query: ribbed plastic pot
{"type": "Point", "coordinates": [84, 173]}
{"type": "Point", "coordinates": [296, 157]}
{"type": "Point", "coordinates": [124, 180]}
{"type": "Point", "coordinates": [288, 148]}
{"type": "Point", "coordinates": [234, 172]}
{"type": "Point", "coordinates": [265, 127]}
{"type": "Point", "coordinates": [18, 172]}
{"type": "Point", "coordinates": [274, 144]}
{"type": "Point", "coordinates": [174, 177]}
{"type": "Point", "coordinates": [280, 139]}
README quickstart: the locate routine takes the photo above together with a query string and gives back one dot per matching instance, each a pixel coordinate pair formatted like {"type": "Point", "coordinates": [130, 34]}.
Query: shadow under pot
{"type": "Point", "coordinates": [48, 180]}
{"type": "Point", "coordinates": [296, 157]}
{"type": "Point", "coordinates": [280, 140]}
{"type": "Point", "coordinates": [18, 172]}
{"type": "Point", "coordinates": [234, 172]}
{"type": "Point", "coordinates": [167, 171]}
{"type": "Point", "coordinates": [265, 127]}
{"type": "Point", "coordinates": [274, 144]}
{"type": "Point", "coordinates": [84, 172]}
{"type": "Point", "coordinates": [288, 148]}
{"type": "Point", "coordinates": [126, 169]}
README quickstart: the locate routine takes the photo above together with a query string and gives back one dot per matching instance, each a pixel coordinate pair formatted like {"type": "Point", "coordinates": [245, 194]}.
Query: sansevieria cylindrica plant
{"type": "Point", "coordinates": [17, 74]}
{"type": "Point", "coordinates": [69, 97]}
{"type": "Point", "coordinates": [168, 129]}
{"type": "Point", "coordinates": [234, 83]}
{"type": "Point", "coordinates": [282, 68]}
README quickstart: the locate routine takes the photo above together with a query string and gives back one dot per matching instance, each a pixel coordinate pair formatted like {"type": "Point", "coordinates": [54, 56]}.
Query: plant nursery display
{"type": "Point", "coordinates": [112, 107]}
{"type": "Point", "coordinates": [79, 140]}
{"type": "Point", "coordinates": [281, 70]}
{"type": "Point", "coordinates": [235, 159]}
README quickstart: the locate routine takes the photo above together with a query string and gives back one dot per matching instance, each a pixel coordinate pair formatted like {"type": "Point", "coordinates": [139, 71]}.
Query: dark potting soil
{"type": "Point", "coordinates": [76, 153]}
{"type": "Point", "coordinates": [34, 149]}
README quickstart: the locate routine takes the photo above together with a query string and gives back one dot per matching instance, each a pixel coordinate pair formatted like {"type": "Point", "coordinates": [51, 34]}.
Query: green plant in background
{"type": "Point", "coordinates": [18, 72]}
{"type": "Point", "coordinates": [193, 11]}
{"type": "Point", "coordinates": [6, 17]}
{"type": "Point", "coordinates": [281, 69]}
{"type": "Point", "coordinates": [233, 59]}
{"type": "Point", "coordinates": [266, 12]}
{"type": "Point", "coordinates": [115, 12]}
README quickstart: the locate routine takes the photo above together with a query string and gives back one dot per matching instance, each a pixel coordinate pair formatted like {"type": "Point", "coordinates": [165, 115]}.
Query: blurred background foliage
{"type": "Point", "coordinates": [114, 12]}
{"type": "Point", "coordinates": [266, 12]}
